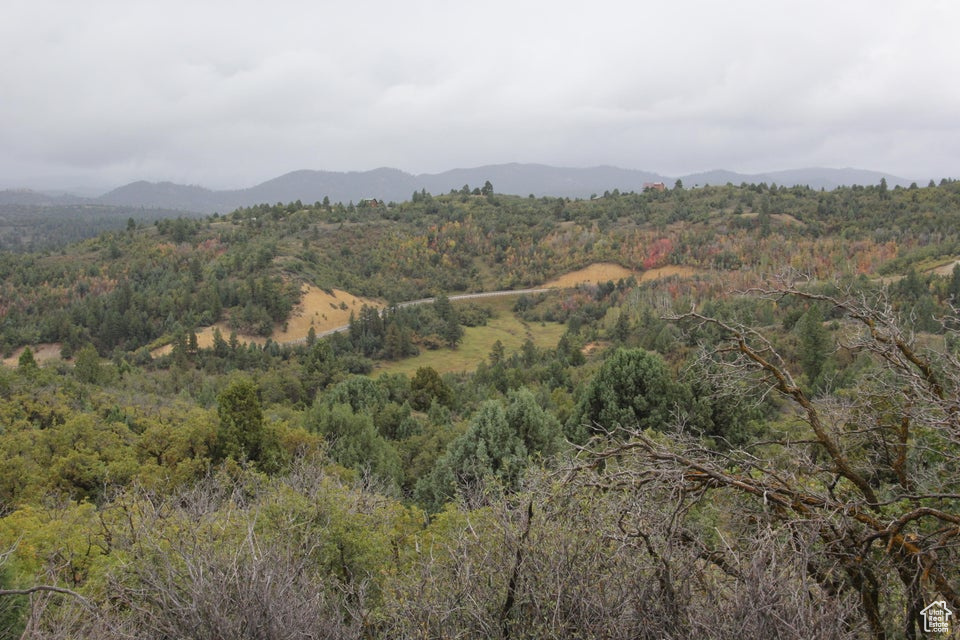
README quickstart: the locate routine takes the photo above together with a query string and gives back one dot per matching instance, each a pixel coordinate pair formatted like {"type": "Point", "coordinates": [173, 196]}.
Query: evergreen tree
{"type": "Point", "coordinates": [497, 354]}
{"type": "Point", "coordinates": [87, 367]}
{"type": "Point", "coordinates": [493, 453]}
{"type": "Point", "coordinates": [621, 330]}
{"type": "Point", "coordinates": [360, 393]}
{"type": "Point", "coordinates": [427, 387]}
{"type": "Point", "coordinates": [220, 347]}
{"type": "Point", "coordinates": [354, 440]}
{"type": "Point", "coordinates": [451, 331]}
{"type": "Point", "coordinates": [814, 344]}
{"type": "Point", "coordinates": [240, 435]}
{"type": "Point", "coordinates": [953, 289]}
{"type": "Point", "coordinates": [539, 431]}
{"type": "Point", "coordinates": [632, 390]}
{"type": "Point", "coordinates": [27, 363]}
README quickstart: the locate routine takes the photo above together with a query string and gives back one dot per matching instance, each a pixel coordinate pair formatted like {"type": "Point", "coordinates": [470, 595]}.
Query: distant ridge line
{"type": "Point", "coordinates": [387, 184]}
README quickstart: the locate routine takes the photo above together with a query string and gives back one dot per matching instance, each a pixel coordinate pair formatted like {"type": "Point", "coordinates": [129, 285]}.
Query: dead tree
{"type": "Point", "coordinates": [873, 472]}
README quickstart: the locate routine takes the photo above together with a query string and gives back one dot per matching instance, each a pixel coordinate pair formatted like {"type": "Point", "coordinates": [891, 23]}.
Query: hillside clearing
{"type": "Point", "coordinates": [41, 353]}
{"type": "Point", "coordinates": [318, 309]}
{"type": "Point", "coordinates": [669, 271]}
{"type": "Point", "coordinates": [601, 272]}
{"type": "Point", "coordinates": [945, 269]}
{"type": "Point", "coordinates": [592, 274]}
{"type": "Point", "coordinates": [322, 311]}
{"type": "Point", "coordinates": [478, 341]}
{"type": "Point", "coordinates": [784, 218]}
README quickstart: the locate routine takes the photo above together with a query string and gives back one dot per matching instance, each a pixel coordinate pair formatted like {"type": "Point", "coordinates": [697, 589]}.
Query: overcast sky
{"type": "Point", "coordinates": [228, 94]}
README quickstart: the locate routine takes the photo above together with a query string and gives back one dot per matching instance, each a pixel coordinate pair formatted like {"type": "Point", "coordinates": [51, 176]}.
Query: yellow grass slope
{"type": "Point", "coordinates": [606, 271]}
{"type": "Point", "coordinates": [41, 353]}
{"type": "Point", "coordinates": [946, 269]}
{"type": "Point", "coordinates": [317, 308]}
{"type": "Point", "coordinates": [594, 273]}
{"type": "Point", "coordinates": [322, 311]}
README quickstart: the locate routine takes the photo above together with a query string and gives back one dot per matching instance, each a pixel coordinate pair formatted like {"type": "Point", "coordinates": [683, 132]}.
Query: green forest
{"type": "Point", "coordinates": [753, 433]}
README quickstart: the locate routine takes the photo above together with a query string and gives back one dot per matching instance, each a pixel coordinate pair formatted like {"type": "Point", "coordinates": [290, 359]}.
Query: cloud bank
{"type": "Point", "coordinates": [227, 94]}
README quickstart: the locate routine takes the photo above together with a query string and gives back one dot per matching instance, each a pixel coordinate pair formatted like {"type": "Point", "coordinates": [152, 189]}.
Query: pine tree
{"type": "Point", "coordinates": [87, 367]}
{"type": "Point", "coordinates": [241, 431]}
{"type": "Point", "coordinates": [27, 363]}
{"type": "Point", "coordinates": [632, 390]}
{"type": "Point", "coordinates": [814, 344]}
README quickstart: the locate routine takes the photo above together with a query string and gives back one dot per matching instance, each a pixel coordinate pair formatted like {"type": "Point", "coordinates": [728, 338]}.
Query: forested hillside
{"type": "Point", "coordinates": [751, 431]}
{"type": "Point", "coordinates": [48, 226]}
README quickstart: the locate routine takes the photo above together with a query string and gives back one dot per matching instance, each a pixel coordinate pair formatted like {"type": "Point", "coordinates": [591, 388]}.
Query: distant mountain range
{"type": "Point", "coordinates": [395, 185]}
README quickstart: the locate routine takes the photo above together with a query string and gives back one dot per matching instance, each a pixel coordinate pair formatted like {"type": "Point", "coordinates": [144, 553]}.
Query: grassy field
{"type": "Point", "coordinates": [477, 341]}
{"type": "Point", "coordinates": [595, 273]}
{"type": "Point", "coordinates": [604, 271]}
{"type": "Point", "coordinates": [317, 309]}
{"type": "Point", "coordinates": [943, 268]}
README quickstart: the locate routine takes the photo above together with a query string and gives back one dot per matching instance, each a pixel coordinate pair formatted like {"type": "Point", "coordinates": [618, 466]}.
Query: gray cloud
{"type": "Point", "coordinates": [231, 93]}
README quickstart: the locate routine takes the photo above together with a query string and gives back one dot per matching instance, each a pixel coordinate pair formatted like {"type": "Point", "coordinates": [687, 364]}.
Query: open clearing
{"type": "Point", "coordinates": [41, 353]}
{"type": "Point", "coordinates": [595, 274]}
{"type": "Point", "coordinates": [946, 269]}
{"type": "Point", "coordinates": [477, 341]}
{"type": "Point", "coordinates": [322, 311]}
{"type": "Point", "coordinates": [607, 271]}
{"type": "Point", "coordinates": [512, 331]}
{"type": "Point", "coordinates": [785, 218]}
{"type": "Point", "coordinates": [318, 309]}
{"type": "Point", "coordinates": [669, 271]}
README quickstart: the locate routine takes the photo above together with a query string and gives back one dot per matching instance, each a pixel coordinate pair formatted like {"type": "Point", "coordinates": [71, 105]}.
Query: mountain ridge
{"type": "Point", "coordinates": [385, 183]}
